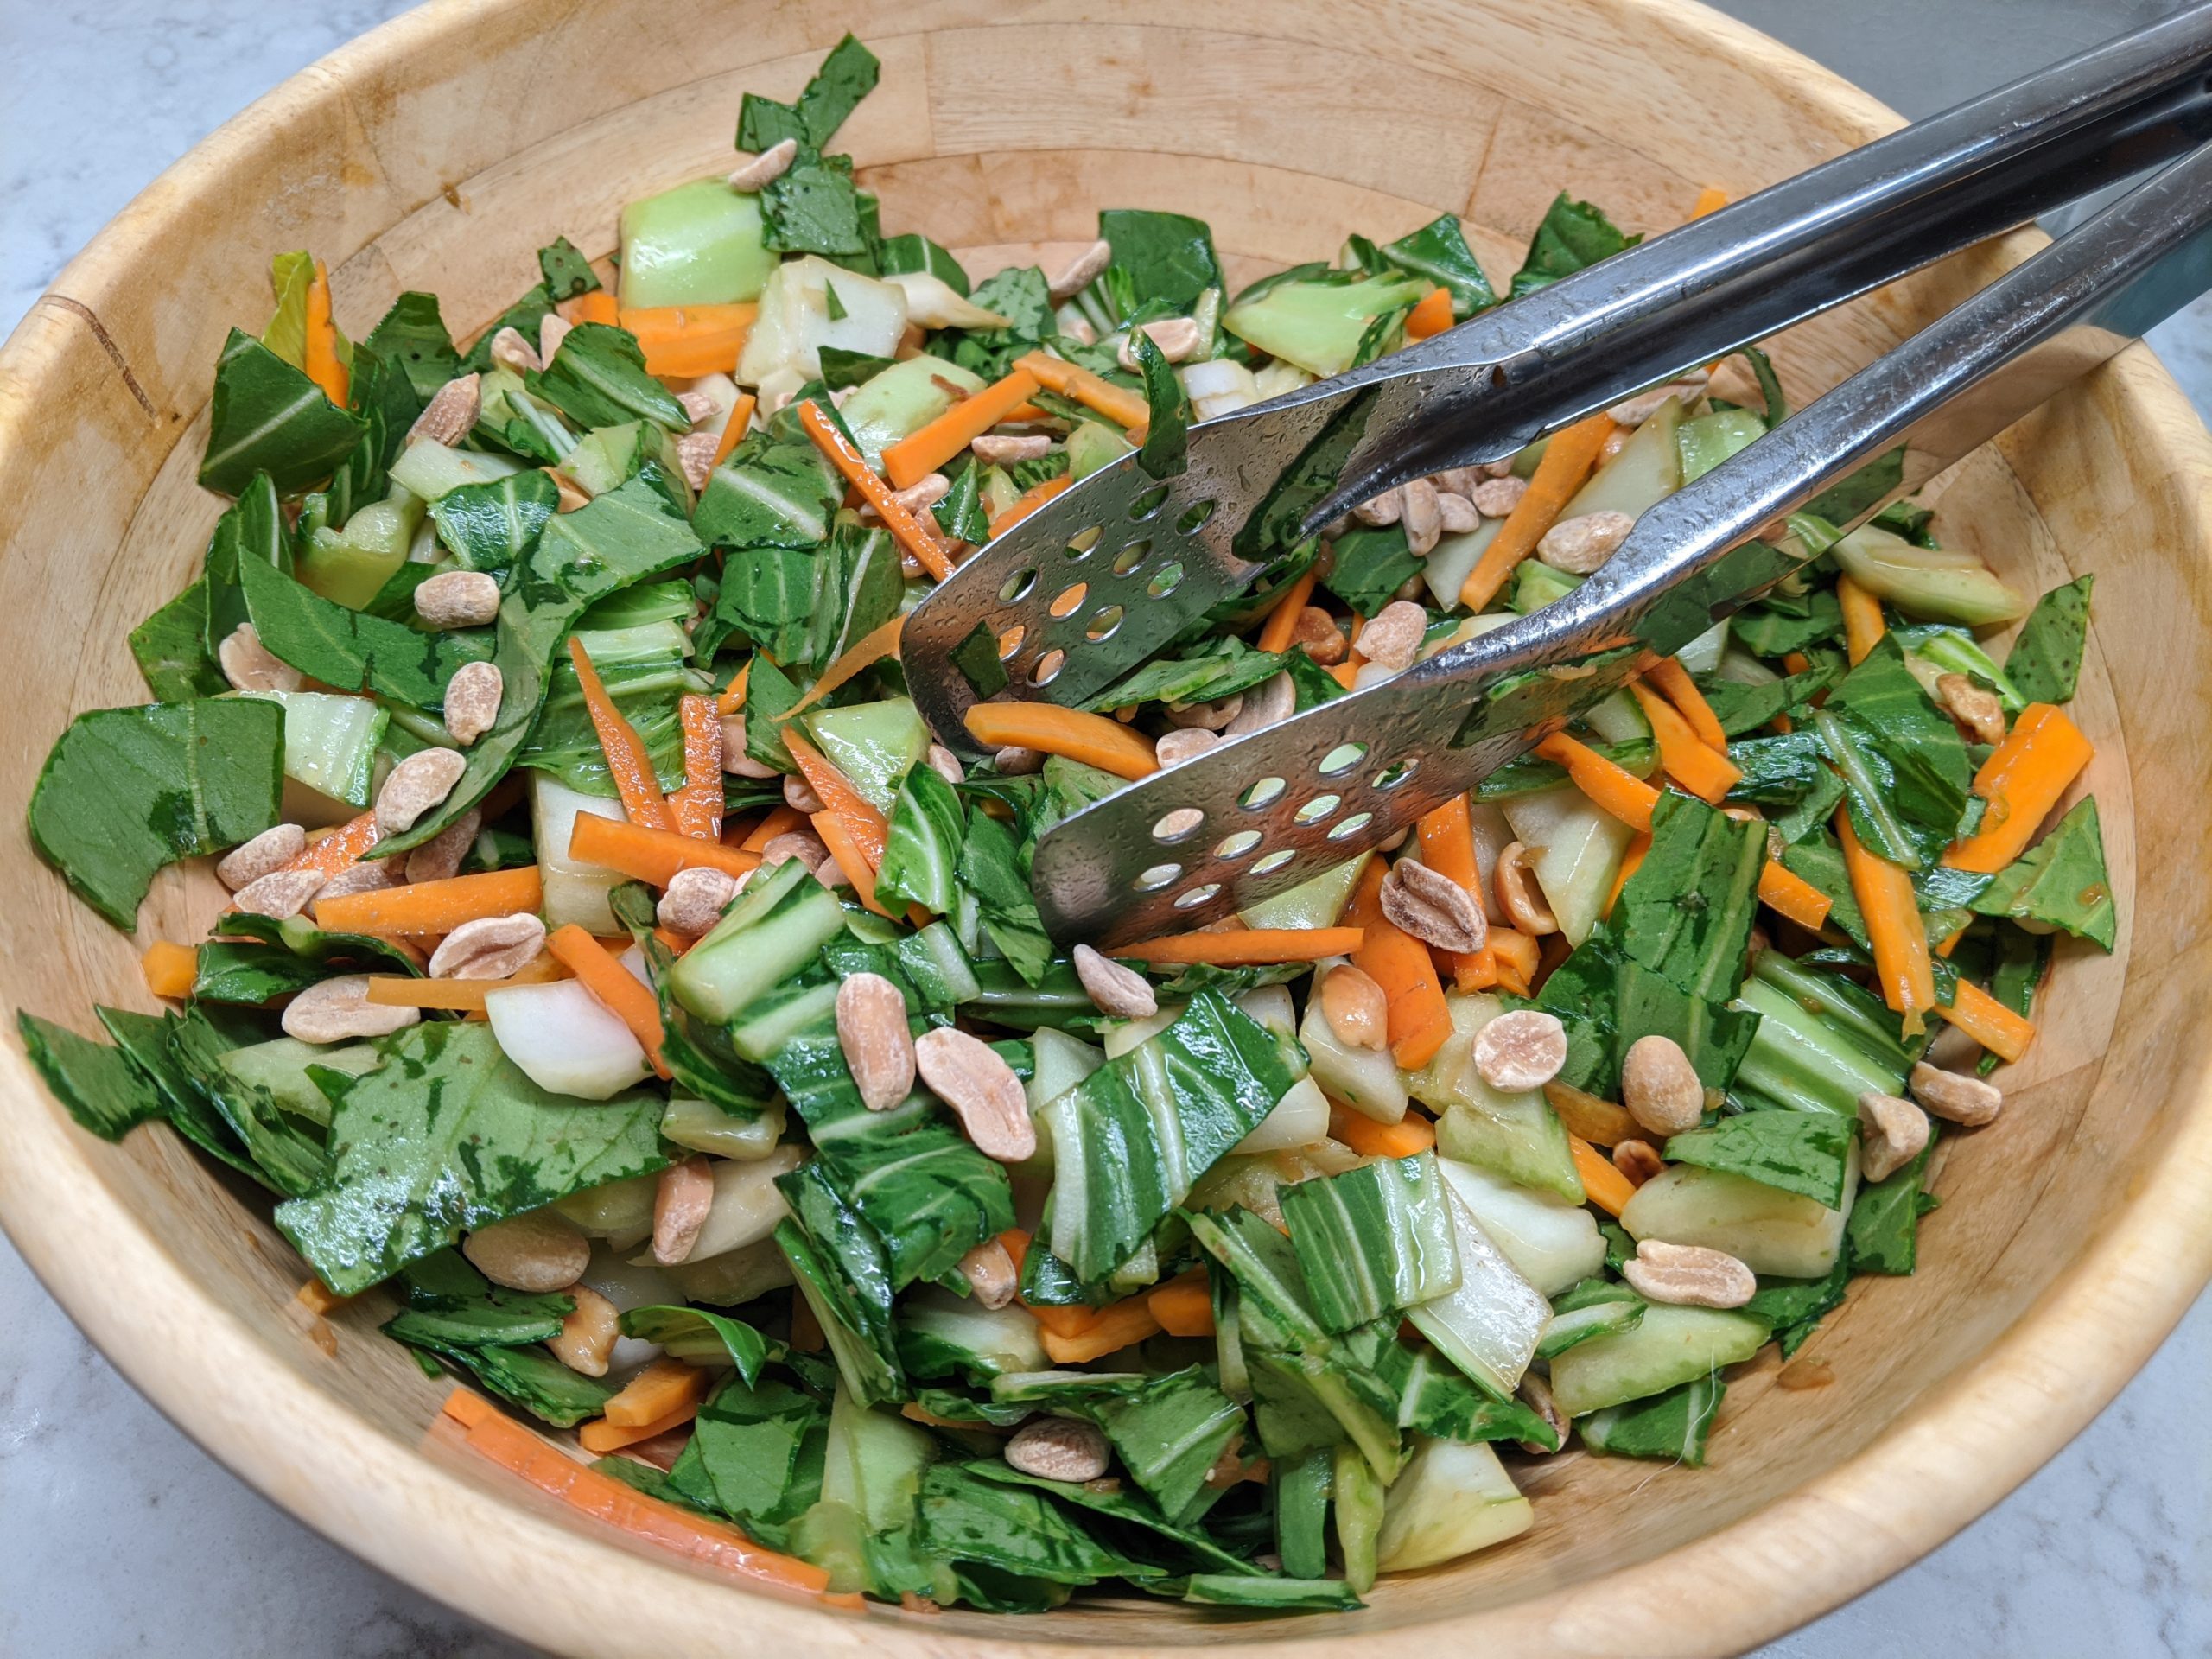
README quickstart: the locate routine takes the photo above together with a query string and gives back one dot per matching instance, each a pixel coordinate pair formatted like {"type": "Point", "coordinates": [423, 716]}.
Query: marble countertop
{"type": "Point", "coordinates": [119, 1536]}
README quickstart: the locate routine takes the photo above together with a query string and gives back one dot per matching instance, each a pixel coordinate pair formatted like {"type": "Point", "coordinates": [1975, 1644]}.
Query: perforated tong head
{"type": "Point", "coordinates": [1109, 572]}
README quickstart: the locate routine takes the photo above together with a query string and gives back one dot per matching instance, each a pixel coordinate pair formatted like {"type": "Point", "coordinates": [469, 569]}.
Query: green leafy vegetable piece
{"type": "Point", "coordinates": [291, 1161]}
{"type": "Point", "coordinates": [447, 1137]}
{"type": "Point", "coordinates": [643, 671]}
{"type": "Point", "coordinates": [846, 77]}
{"type": "Point", "coordinates": [1168, 258]}
{"type": "Point", "coordinates": [1775, 627]}
{"type": "Point", "coordinates": [1167, 430]}
{"type": "Point", "coordinates": [1373, 1240]}
{"type": "Point", "coordinates": [960, 515]}
{"type": "Point", "coordinates": [760, 1450]}
{"type": "Point", "coordinates": [838, 1263]}
{"type": "Point", "coordinates": [382, 396]}
{"type": "Point", "coordinates": [1798, 1151]}
{"type": "Point", "coordinates": [1904, 767]}
{"type": "Point", "coordinates": [1023, 296]}
{"type": "Point", "coordinates": [1573, 234]}
{"type": "Point", "coordinates": [567, 272]}
{"type": "Point", "coordinates": [1219, 669]}
{"type": "Point", "coordinates": [841, 369]}
{"type": "Point", "coordinates": [597, 378]}
{"type": "Point", "coordinates": [965, 1517]}
{"type": "Point", "coordinates": [253, 530]}
{"type": "Point", "coordinates": [529, 1377]}
{"type": "Point", "coordinates": [1854, 497]}
{"type": "Point", "coordinates": [267, 416]}
{"type": "Point", "coordinates": [2060, 881]}
{"type": "Point", "coordinates": [619, 539]}
{"type": "Point", "coordinates": [1686, 914]}
{"type": "Point", "coordinates": [1373, 562]}
{"type": "Point", "coordinates": [995, 871]}
{"type": "Point", "coordinates": [413, 335]}
{"type": "Point", "coordinates": [492, 526]}
{"type": "Point", "coordinates": [1438, 252]}
{"type": "Point", "coordinates": [772, 492]}
{"type": "Point", "coordinates": [292, 275]}
{"type": "Point", "coordinates": [812, 208]}
{"type": "Point", "coordinates": [104, 1090]}
{"type": "Point", "coordinates": [1274, 1594]}
{"type": "Point", "coordinates": [699, 1334]}
{"type": "Point", "coordinates": [921, 853]}
{"type": "Point", "coordinates": [1742, 709]}
{"type": "Point", "coordinates": [1182, 1549]}
{"type": "Point", "coordinates": [345, 649]}
{"type": "Point", "coordinates": [915, 252]}
{"type": "Point", "coordinates": [1670, 1427]}
{"type": "Point", "coordinates": [1883, 1235]}
{"type": "Point", "coordinates": [524, 316]}
{"type": "Point", "coordinates": [171, 649]}
{"type": "Point", "coordinates": [769, 695]}
{"type": "Point", "coordinates": [126, 791]}
{"type": "Point", "coordinates": [2045, 661]}
{"type": "Point", "coordinates": [448, 1303]}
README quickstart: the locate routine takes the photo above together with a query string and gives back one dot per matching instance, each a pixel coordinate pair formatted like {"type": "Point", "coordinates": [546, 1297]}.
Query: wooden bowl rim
{"type": "Point", "coordinates": [1954, 1454]}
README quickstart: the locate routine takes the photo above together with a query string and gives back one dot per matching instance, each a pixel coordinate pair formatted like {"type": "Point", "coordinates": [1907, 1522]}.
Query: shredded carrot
{"type": "Point", "coordinates": [1412, 1133]}
{"type": "Point", "coordinates": [1672, 681]}
{"type": "Point", "coordinates": [1046, 727]}
{"type": "Point", "coordinates": [1894, 928]}
{"type": "Point", "coordinates": [1282, 621]}
{"type": "Point", "coordinates": [1070, 1321]}
{"type": "Point", "coordinates": [836, 834]}
{"type": "Point", "coordinates": [626, 759]}
{"type": "Point", "coordinates": [1631, 862]}
{"type": "Point", "coordinates": [1117, 403]}
{"type": "Point", "coordinates": [493, 1435]}
{"type": "Point", "coordinates": [654, 1392]}
{"type": "Point", "coordinates": [1567, 460]}
{"type": "Point", "coordinates": [1698, 768]}
{"type": "Point", "coordinates": [1711, 200]}
{"type": "Point", "coordinates": [1418, 1020]}
{"type": "Point", "coordinates": [868, 827]}
{"type": "Point", "coordinates": [1989, 1022]}
{"type": "Point", "coordinates": [322, 364]}
{"type": "Point", "coordinates": [1183, 1306]}
{"type": "Point", "coordinates": [2022, 780]}
{"type": "Point", "coordinates": [319, 1298]}
{"type": "Point", "coordinates": [780, 821]}
{"type": "Point", "coordinates": [1612, 788]}
{"type": "Point", "coordinates": [615, 986]}
{"type": "Point", "coordinates": [458, 995]}
{"type": "Point", "coordinates": [1346, 673]}
{"type": "Point", "coordinates": [1447, 843]}
{"type": "Point", "coordinates": [601, 1437]}
{"type": "Point", "coordinates": [731, 701]}
{"type": "Point", "coordinates": [734, 428]}
{"type": "Point", "coordinates": [1115, 1328]}
{"type": "Point", "coordinates": [424, 908]}
{"type": "Point", "coordinates": [598, 306]}
{"type": "Point", "coordinates": [1863, 627]}
{"type": "Point", "coordinates": [169, 968]}
{"type": "Point", "coordinates": [687, 340]}
{"type": "Point", "coordinates": [865, 653]}
{"type": "Point", "coordinates": [1431, 316]}
{"type": "Point", "coordinates": [1594, 1118]}
{"type": "Point", "coordinates": [340, 850]}
{"type": "Point", "coordinates": [921, 453]}
{"type": "Point", "coordinates": [905, 528]}
{"type": "Point", "coordinates": [696, 810]}
{"type": "Point", "coordinates": [1602, 1184]}
{"type": "Point", "coordinates": [1244, 947]}
{"type": "Point", "coordinates": [1028, 501]}
{"type": "Point", "coordinates": [1514, 958]}
{"type": "Point", "coordinates": [1788, 894]}
{"type": "Point", "coordinates": [1015, 1243]}
{"type": "Point", "coordinates": [653, 855]}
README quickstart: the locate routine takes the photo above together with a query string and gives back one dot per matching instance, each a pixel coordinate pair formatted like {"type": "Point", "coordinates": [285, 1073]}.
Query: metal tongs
{"type": "Point", "coordinates": [1143, 560]}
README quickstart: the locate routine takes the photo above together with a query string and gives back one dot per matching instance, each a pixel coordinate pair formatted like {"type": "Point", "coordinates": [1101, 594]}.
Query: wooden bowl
{"type": "Point", "coordinates": [440, 151]}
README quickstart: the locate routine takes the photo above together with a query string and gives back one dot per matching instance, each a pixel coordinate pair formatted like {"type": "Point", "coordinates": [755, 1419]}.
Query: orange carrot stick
{"type": "Point", "coordinates": [868, 650]}
{"type": "Point", "coordinates": [868, 826]}
{"type": "Point", "coordinates": [1894, 928]}
{"type": "Point", "coordinates": [1243, 947]}
{"type": "Point", "coordinates": [921, 453]}
{"type": "Point", "coordinates": [1282, 621]}
{"type": "Point", "coordinates": [688, 339]}
{"type": "Point", "coordinates": [731, 701]}
{"type": "Point", "coordinates": [493, 1435]}
{"type": "Point", "coordinates": [1047, 727]}
{"type": "Point", "coordinates": [836, 834]}
{"type": "Point", "coordinates": [1028, 501]}
{"type": "Point", "coordinates": [1418, 1020]}
{"type": "Point", "coordinates": [601, 1437]}
{"type": "Point", "coordinates": [2022, 780]}
{"type": "Point", "coordinates": [1672, 681]}
{"type": "Point", "coordinates": [1063, 1321]}
{"type": "Point", "coordinates": [1515, 956]}
{"type": "Point", "coordinates": [322, 364]}
{"type": "Point", "coordinates": [654, 1392]}
{"type": "Point", "coordinates": [598, 306]}
{"type": "Point", "coordinates": [653, 855]}
{"type": "Point", "coordinates": [340, 850]}
{"type": "Point", "coordinates": [1183, 1306]}
{"type": "Point", "coordinates": [1711, 200]}
{"type": "Point", "coordinates": [1594, 1118]}
{"type": "Point", "coordinates": [617, 990]}
{"type": "Point", "coordinates": [626, 759]}
{"type": "Point", "coordinates": [1631, 862]}
{"type": "Point", "coordinates": [905, 528]}
{"type": "Point", "coordinates": [696, 810]}
{"type": "Point", "coordinates": [458, 995]}
{"type": "Point", "coordinates": [169, 968]}
{"type": "Point", "coordinates": [1114, 1328]}
{"type": "Point", "coordinates": [424, 908]}
{"type": "Point", "coordinates": [734, 428]}
{"type": "Point", "coordinates": [1612, 788]}
{"type": "Point", "coordinates": [780, 821]}
{"type": "Point", "coordinates": [1412, 1133]}
{"type": "Point", "coordinates": [1567, 460]}
{"type": "Point", "coordinates": [1602, 1184]}
{"type": "Point", "coordinates": [1787, 893]}
{"type": "Point", "coordinates": [1431, 316]}
{"type": "Point", "coordinates": [1698, 768]}
{"type": "Point", "coordinates": [1989, 1022]}
{"type": "Point", "coordinates": [1863, 627]}
{"type": "Point", "coordinates": [1117, 403]}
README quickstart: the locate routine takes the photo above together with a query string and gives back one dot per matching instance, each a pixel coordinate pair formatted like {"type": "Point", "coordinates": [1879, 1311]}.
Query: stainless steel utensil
{"type": "Point", "coordinates": [1103, 576]}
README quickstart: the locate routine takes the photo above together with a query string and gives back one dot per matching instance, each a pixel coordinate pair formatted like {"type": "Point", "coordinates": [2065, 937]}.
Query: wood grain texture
{"type": "Point", "coordinates": [441, 150]}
